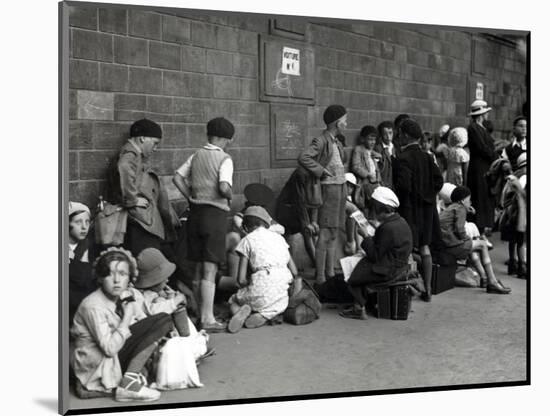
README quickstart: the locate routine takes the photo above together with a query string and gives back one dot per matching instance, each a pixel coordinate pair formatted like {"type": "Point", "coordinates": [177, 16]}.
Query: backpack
{"type": "Point", "coordinates": [303, 307]}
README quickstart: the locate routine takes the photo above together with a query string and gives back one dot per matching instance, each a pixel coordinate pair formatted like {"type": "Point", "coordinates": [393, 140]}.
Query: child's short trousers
{"type": "Point", "coordinates": [206, 229]}
{"type": "Point", "coordinates": [332, 214]}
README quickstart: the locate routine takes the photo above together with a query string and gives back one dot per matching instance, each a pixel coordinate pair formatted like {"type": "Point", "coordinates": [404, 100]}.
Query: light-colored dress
{"type": "Point", "coordinates": [457, 156]}
{"type": "Point", "coordinates": [268, 255]}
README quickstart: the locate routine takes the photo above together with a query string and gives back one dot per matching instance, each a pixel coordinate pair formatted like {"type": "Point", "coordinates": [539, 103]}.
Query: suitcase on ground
{"type": "Point", "coordinates": [383, 303]}
{"type": "Point", "coordinates": [443, 278]}
{"type": "Point", "coordinates": [400, 302]}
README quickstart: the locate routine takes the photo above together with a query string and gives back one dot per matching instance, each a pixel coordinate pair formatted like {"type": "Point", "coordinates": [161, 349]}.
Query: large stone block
{"type": "Point", "coordinates": [73, 165]}
{"type": "Point", "coordinates": [160, 108]}
{"type": "Point", "coordinates": [94, 105]}
{"type": "Point", "coordinates": [193, 59]}
{"type": "Point", "coordinates": [176, 29]}
{"type": "Point", "coordinates": [86, 192]}
{"type": "Point", "coordinates": [218, 62]}
{"type": "Point", "coordinates": [131, 51]}
{"type": "Point", "coordinates": [203, 34]}
{"type": "Point", "coordinates": [227, 39]}
{"type": "Point", "coordinates": [174, 135]}
{"type": "Point", "coordinates": [251, 136]}
{"type": "Point", "coordinates": [187, 84]}
{"type": "Point", "coordinates": [248, 42]}
{"type": "Point", "coordinates": [72, 104]}
{"type": "Point", "coordinates": [94, 164]}
{"type": "Point", "coordinates": [80, 134]}
{"type": "Point", "coordinates": [113, 21]}
{"type": "Point", "coordinates": [145, 80]}
{"type": "Point", "coordinates": [189, 110]}
{"type": "Point", "coordinates": [92, 45]}
{"type": "Point", "coordinates": [113, 77]}
{"type": "Point", "coordinates": [144, 24]}
{"type": "Point", "coordinates": [84, 17]}
{"type": "Point", "coordinates": [163, 161]}
{"type": "Point", "coordinates": [196, 135]}
{"type": "Point", "coordinates": [110, 135]}
{"type": "Point", "coordinates": [129, 107]}
{"type": "Point", "coordinates": [164, 55]}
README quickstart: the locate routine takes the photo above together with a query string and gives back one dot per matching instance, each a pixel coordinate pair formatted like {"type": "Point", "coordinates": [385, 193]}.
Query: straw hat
{"type": "Point", "coordinates": [479, 107]}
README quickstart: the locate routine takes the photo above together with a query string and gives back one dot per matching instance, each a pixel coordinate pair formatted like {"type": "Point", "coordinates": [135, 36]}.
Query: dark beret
{"type": "Point", "coordinates": [333, 113]}
{"type": "Point", "coordinates": [145, 128]}
{"type": "Point", "coordinates": [459, 193]}
{"type": "Point", "coordinates": [220, 127]}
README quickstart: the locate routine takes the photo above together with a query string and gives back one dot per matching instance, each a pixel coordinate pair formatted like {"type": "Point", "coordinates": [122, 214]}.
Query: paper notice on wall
{"type": "Point", "coordinates": [291, 61]}
{"type": "Point", "coordinates": [479, 91]}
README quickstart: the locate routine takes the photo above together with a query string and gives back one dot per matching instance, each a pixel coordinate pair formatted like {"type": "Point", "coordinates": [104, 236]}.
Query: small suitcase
{"type": "Point", "coordinates": [383, 303]}
{"type": "Point", "coordinates": [400, 302]}
{"type": "Point", "coordinates": [443, 278]}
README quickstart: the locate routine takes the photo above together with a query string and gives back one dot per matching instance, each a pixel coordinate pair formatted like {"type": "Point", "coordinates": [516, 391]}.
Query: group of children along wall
{"type": "Point", "coordinates": [145, 278]}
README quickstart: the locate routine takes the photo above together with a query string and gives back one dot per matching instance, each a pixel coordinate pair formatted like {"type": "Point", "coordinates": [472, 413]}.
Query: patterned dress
{"type": "Point", "coordinates": [268, 256]}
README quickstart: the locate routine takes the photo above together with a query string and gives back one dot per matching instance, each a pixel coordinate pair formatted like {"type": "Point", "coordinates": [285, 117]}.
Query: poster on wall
{"type": "Point", "coordinates": [178, 126]}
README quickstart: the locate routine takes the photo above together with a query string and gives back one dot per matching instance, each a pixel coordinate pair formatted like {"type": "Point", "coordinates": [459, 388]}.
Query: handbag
{"type": "Point", "coordinates": [303, 307]}
{"type": "Point", "coordinates": [110, 225]}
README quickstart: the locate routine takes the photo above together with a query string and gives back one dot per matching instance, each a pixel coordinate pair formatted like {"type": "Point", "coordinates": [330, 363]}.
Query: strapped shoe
{"type": "Point", "coordinates": [144, 394]}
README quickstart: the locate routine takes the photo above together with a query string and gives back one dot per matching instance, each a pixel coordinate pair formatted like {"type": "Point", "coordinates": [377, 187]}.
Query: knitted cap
{"type": "Point", "coordinates": [459, 193]}
{"type": "Point", "coordinates": [411, 128]}
{"type": "Point", "coordinates": [76, 208]}
{"type": "Point", "coordinates": [368, 130]}
{"type": "Point", "coordinates": [153, 268]}
{"type": "Point", "coordinates": [145, 128]}
{"type": "Point", "coordinates": [385, 196]}
{"type": "Point", "coordinates": [258, 212]}
{"type": "Point", "coordinates": [333, 113]}
{"type": "Point", "coordinates": [220, 127]}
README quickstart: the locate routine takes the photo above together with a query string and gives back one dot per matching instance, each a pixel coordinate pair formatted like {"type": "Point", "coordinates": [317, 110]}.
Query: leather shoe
{"type": "Point", "coordinates": [498, 289]}
{"type": "Point", "coordinates": [483, 283]}
{"type": "Point", "coordinates": [426, 297]}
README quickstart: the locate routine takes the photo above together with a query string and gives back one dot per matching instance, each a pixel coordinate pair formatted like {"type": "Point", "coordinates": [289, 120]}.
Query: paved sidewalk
{"type": "Point", "coordinates": [463, 336]}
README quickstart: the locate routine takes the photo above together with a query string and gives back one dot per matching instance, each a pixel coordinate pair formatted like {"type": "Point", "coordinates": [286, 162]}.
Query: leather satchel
{"type": "Point", "coordinates": [303, 307]}
{"type": "Point", "coordinates": [110, 225]}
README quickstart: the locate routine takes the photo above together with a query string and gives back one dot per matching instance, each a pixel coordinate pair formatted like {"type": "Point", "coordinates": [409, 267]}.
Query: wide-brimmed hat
{"type": "Point", "coordinates": [258, 212]}
{"type": "Point", "coordinates": [479, 107]}
{"type": "Point", "coordinates": [259, 194]}
{"type": "Point", "coordinates": [153, 268]}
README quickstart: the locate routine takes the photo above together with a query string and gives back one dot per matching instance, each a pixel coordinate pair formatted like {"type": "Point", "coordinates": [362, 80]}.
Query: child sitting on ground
{"type": "Point", "coordinates": [457, 242]}
{"type": "Point", "coordinates": [458, 158]}
{"type": "Point", "coordinates": [81, 282]}
{"type": "Point", "coordinates": [263, 295]}
{"type": "Point", "coordinates": [112, 337]}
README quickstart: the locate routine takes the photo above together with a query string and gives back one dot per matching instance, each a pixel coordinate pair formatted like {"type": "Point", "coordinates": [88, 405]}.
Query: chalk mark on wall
{"type": "Point", "coordinates": [283, 82]}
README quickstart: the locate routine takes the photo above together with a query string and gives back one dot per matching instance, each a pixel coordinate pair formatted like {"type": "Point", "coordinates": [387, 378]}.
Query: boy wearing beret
{"type": "Point", "coordinates": [324, 159]}
{"type": "Point", "coordinates": [134, 184]}
{"type": "Point", "coordinates": [417, 180]}
{"type": "Point", "coordinates": [205, 179]}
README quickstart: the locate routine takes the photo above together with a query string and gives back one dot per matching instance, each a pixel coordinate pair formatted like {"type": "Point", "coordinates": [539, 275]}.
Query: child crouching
{"type": "Point", "coordinates": [264, 294]}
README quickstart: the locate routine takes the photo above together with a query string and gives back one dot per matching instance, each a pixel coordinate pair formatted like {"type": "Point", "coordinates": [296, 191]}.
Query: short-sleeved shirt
{"type": "Point", "coordinates": [226, 167]}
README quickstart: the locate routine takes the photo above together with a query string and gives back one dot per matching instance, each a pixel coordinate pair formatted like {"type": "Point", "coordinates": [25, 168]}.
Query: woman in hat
{"type": "Point", "coordinates": [263, 293]}
{"type": "Point", "coordinates": [482, 154]}
{"type": "Point", "coordinates": [387, 252]}
{"type": "Point", "coordinates": [458, 243]}
{"type": "Point", "coordinates": [134, 184]}
{"type": "Point", "coordinates": [112, 337]}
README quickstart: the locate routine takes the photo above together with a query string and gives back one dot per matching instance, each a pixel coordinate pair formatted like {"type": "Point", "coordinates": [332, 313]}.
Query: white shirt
{"type": "Point", "coordinates": [389, 147]}
{"type": "Point", "coordinates": [522, 144]}
{"type": "Point", "coordinates": [226, 168]}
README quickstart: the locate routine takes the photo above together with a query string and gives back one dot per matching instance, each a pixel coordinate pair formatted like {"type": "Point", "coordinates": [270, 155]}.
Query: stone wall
{"type": "Point", "coordinates": [183, 69]}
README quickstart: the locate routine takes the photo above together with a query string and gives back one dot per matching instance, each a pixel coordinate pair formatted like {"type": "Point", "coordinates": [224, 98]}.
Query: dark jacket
{"type": "Point", "coordinates": [453, 225]}
{"type": "Point", "coordinates": [292, 206]}
{"type": "Point", "coordinates": [318, 154]}
{"type": "Point", "coordinates": [482, 154]}
{"type": "Point", "coordinates": [81, 280]}
{"type": "Point", "coordinates": [385, 165]}
{"type": "Point", "coordinates": [389, 250]}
